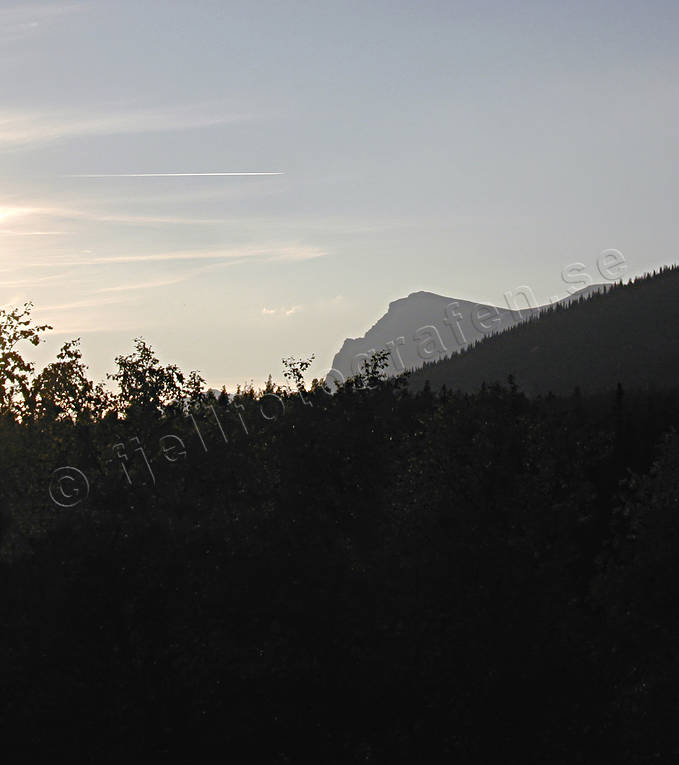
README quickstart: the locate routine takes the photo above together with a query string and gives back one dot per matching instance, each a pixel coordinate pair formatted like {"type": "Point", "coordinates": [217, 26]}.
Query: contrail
{"type": "Point", "coordinates": [158, 175]}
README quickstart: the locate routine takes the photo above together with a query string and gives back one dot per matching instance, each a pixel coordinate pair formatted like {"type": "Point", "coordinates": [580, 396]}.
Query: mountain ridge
{"type": "Point", "coordinates": [424, 326]}
{"type": "Point", "coordinates": [624, 337]}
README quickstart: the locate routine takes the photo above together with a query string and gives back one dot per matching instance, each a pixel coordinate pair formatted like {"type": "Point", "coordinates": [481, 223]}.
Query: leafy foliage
{"type": "Point", "coordinates": [16, 328]}
{"type": "Point", "coordinates": [147, 385]}
{"type": "Point", "coordinates": [62, 389]}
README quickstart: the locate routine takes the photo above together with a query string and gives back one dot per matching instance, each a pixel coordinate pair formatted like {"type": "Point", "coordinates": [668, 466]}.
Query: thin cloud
{"type": "Point", "coordinates": [45, 216]}
{"type": "Point", "coordinates": [20, 130]}
{"type": "Point", "coordinates": [140, 219]}
{"type": "Point", "coordinates": [282, 311]}
{"type": "Point", "coordinates": [148, 285]}
{"type": "Point", "coordinates": [165, 175]}
{"type": "Point", "coordinates": [75, 330]}
{"type": "Point", "coordinates": [98, 217]}
{"type": "Point", "coordinates": [16, 212]}
{"type": "Point", "coordinates": [178, 279]}
{"type": "Point", "coordinates": [87, 303]}
{"type": "Point", "coordinates": [31, 282]}
{"type": "Point", "coordinates": [286, 253]}
{"type": "Point", "coordinates": [69, 213]}
{"type": "Point", "coordinates": [298, 253]}
{"type": "Point", "coordinates": [9, 232]}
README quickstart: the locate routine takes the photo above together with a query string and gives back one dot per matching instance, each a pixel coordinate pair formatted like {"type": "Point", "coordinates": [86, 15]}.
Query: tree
{"type": "Point", "coordinates": [372, 371]}
{"type": "Point", "coordinates": [146, 385]}
{"type": "Point", "coordinates": [295, 369]}
{"type": "Point", "coordinates": [63, 388]}
{"type": "Point", "coordinates": [15, 371]}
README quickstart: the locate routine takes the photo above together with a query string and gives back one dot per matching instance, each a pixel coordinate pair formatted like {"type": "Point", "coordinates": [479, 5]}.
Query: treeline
{"type": "Point", "coordinates": [378, 575]}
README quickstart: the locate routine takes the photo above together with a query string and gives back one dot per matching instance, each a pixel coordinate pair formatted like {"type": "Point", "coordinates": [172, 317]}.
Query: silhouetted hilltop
{"type": "Point", "coordinates": [626, 335]}
{"type": "Point", "coordinates": [425, 327]}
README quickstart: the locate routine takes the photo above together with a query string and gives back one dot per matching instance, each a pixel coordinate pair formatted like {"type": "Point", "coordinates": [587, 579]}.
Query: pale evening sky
{"type": "Point", "coordinates": [457, 147]}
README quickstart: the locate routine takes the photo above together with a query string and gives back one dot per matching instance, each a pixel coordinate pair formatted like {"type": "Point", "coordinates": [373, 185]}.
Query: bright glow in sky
{"type": "Point", "coordinates": [463, 148]}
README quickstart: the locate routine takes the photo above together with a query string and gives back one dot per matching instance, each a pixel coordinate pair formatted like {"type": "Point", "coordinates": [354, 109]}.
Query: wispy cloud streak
{"type": "Point", "coordinates": [148, 285]}
{"type": "Point", "coordinates": [162, 175]}
{"type": "Point", "coordinates": [21, 130]}
{"type": "Point", "coordinates": [275, 252]}
{"type": "Point", "coordinates": [10, 232]}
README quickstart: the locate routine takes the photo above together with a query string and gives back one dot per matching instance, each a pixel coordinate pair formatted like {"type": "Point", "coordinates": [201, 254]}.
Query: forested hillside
{"type": "Point", "coordinates": [626, 335]}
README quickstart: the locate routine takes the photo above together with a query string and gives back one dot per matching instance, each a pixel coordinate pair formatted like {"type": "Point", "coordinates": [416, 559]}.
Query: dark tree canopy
{"type": "Point", "coordinates": [382, 574]}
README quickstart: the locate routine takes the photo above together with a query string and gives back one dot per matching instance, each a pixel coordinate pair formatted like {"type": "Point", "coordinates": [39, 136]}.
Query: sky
{"type": "Point", "coordinates": [455, 147]}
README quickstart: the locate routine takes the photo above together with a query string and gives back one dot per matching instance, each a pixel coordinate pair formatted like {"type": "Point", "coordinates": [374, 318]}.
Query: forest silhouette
{"type": "Point", "coordinates": [396, 571]}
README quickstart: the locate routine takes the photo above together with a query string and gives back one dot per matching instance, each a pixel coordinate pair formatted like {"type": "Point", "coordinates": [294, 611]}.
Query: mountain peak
{"type": "Point", "coordinates": [425, 326]}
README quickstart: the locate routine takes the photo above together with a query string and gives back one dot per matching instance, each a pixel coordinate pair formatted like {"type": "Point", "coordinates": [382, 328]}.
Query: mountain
{"type": "Point", "coordinates": [626, 335]}
{"type": "Point", "coordinates": [425, 327]}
